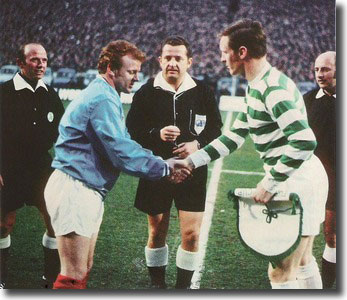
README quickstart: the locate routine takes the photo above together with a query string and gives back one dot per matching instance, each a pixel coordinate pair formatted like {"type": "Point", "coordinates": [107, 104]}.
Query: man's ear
{"type": "Point", "coordinates": [243, 51]}
{"type": "Point", "coordinates": [111, 72]}
{"type": "Point", "coordinates": [20, 63]}
{"type": "Point", "coordinates": [190, 62]}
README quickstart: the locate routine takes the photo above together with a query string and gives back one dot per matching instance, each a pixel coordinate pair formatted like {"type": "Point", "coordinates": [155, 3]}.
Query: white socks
{"type": "Point", "coordinates": [49, 242]}
{"type": "Point", "coordinates": [329, 254]}
{"type": "Point", "coordinates": [157, 257]}
{"type": "Point", "coordinates": [285, 285]}
{"type": "Point", "coordinates": [187, 260]}
{"type": "Point", "coordinates": [5, 242]}
{"type": "Point", "coordinates": [309, 276]}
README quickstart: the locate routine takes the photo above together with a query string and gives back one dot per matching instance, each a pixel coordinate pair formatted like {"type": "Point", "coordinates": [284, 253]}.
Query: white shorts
{"type": "Point", "coordinates": [310, 182]}
{"type": "Point", "coordinates": [72, 206]}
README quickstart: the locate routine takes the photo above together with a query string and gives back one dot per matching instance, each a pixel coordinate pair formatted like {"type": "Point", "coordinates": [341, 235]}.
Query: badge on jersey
{"type": "Point", "coordinates": [200, 123]}
{"type": "Point", "coordinates": [50, 117]}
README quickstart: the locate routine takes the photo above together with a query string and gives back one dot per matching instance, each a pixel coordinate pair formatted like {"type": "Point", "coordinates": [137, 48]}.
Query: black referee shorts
{"type": "Point", "coordinates": [156, 197]}
{"type": "Point", "coordinates": [24, 186]}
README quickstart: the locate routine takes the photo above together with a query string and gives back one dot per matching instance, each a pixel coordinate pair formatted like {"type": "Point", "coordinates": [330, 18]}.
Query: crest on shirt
{"type": "Point", "coordinates": [50, 117]}
{"type": "Point", "coordinates": [200, 123]}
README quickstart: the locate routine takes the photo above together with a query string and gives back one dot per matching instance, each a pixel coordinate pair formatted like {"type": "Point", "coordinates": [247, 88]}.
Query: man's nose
{"type": "Point", "coordinates": [172, 62]}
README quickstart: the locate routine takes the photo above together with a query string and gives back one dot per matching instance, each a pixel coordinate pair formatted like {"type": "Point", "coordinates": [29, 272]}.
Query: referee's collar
{"type": "Point", "coordinates": [20, 84]}
{"type": "Point", "coordinates": [321, 93]}
{"type": "Point", "coordinates": [187, 83]}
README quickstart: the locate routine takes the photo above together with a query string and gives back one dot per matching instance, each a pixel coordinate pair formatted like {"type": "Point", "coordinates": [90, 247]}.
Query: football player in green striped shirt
{"type": "Point", "coordinates": [276, 121]}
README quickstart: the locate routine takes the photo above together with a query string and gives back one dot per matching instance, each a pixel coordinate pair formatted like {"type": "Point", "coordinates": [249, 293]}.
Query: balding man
{"type": "Point", "coordinates": [320, 104]}
{"type": "Point", "coordinates": [30, 114]}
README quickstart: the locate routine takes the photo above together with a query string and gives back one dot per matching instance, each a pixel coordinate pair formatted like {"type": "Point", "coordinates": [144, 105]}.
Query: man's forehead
{"type": "Point", "coordinates": [130, 62]}
{"type": "Point", "coordinates": [34, 50]}
{"type": "Point", "coordinates": [224, 42]}
{"type": "Point", "coordinates": [179, 50]}
{"type": "Point", "coordinates": [325, 60]}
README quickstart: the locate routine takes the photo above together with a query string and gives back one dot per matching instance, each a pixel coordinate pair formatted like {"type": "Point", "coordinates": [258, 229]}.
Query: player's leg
{"type": "Point", "coordinates": [50, 250]}
{"type": "Point", "coordinates": [90, 257]}
{"type": "Point", "coordinates": [283, 275]}
{"type": "Point", "coordinates": [156, 251]}
{"type": "Point", "coordinates": [74, 255]}
{"type": "Point", "coordinates": [6, 226]}
{"type": "Point", "coordinates": [308, 274]}
{"type": "Point", "coordinates": [76, 213]}
{"type": "Point", "coordinates": [187, 253]}
{"type": "Point", "coordinates": [329, 254]}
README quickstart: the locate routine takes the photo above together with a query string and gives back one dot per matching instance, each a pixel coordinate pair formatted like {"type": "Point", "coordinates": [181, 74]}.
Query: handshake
{"type": "Point", "coordinates": [180, 169]}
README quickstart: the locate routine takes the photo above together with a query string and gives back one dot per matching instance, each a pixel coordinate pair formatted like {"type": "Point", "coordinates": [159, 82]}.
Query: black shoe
{"type": "Point", "coordinates": [45, 283]}
{"type": "Point", "coordinates": [2, 285]}
{"type": "Point", "coordinates": [158, 286]}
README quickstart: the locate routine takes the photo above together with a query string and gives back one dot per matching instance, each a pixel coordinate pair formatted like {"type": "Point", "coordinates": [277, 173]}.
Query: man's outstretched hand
{"type": "Point", "coordinates": [180, 169]}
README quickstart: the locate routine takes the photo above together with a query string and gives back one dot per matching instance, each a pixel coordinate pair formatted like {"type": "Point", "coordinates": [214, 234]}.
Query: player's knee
{"type": "Point", "coordinates": [190, 237]}
{"type": "Point", "coordinates": [281, 273]}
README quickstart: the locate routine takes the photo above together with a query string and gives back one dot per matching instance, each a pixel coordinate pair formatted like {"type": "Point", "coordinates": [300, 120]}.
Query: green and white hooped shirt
{"type": "Point", "coordinates": [276, 121]}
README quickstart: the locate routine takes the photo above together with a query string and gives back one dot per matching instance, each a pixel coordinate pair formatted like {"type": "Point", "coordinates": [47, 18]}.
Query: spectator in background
{"type": "Point", "coordinates": [30, 114]}
{"type": "Point", "coordinates": [321, 112]}
{"type": "Point", "coordinates": [173, 115]}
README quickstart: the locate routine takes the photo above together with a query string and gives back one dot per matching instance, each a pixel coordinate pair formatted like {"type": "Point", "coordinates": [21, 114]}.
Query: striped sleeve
{"type": "Point", "coordinates": [286, 108]}
{"type": "Point", "coordinates": [224, 144]}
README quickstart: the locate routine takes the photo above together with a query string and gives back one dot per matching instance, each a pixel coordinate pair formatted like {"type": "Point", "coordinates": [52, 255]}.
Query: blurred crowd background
{"type": "Point", "coordinates": [74, 31]}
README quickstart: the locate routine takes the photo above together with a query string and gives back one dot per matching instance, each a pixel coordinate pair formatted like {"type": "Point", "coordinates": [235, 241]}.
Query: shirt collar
{"type": "Point", "coordinates": [110, 88]}
{"type": "Point", "coordinates": [321, 93]}
{"type": "Point", "coordinates": [263, 71]}
{"type": "Point", "coordinates": [187, 84]}
{"type": "Point", "coordinates": [20, 84]}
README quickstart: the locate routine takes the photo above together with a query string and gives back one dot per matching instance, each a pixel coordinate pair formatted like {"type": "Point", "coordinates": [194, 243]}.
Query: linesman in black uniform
{"type": "Point", "coordinates": [321, 112]}
{"type": "Point", "coordinates": [173, 115]}
{"type": "Point", "coordinates": [30, 114]}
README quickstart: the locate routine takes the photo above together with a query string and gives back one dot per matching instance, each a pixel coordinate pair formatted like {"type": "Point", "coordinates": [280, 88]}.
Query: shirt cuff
{"type": "Point", "coordinates": [200, 158]}
{"type": "Point", "coordinates": [166, 171]}
{"type": "Point", "coordinates": [269, 184]}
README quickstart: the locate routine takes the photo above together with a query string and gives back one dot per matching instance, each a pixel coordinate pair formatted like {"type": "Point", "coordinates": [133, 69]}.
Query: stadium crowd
{"type": "Point", "coordinates": [73, 31]}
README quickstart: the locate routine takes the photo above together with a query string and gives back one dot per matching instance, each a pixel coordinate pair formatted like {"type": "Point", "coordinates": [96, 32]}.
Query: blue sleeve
{"type": "Point", "coordinates": [113, 140]}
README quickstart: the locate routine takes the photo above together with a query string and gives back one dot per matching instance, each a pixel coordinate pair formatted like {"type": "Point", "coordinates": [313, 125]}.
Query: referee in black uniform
{"type": "Point", "coordinates": [321, 113]}
{"type": "Point", "coordinates": [173, 115]}
{"type": "Point", "coordinates": [30, 114]}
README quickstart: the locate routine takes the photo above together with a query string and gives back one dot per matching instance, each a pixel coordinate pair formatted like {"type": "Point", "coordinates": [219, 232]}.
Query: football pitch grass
{"type": "Point", "coordinates": [119, 261]}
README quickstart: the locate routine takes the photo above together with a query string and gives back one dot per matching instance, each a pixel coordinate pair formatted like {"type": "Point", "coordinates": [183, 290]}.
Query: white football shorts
{"type": "Point", "coordinates": [311, 184]}
{"type": "Point", "coordinates": [72, 206]}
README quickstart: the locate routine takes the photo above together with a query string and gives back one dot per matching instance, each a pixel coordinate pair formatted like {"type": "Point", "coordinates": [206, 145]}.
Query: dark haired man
{"type": "Point", "coordinates": [321, 113]}
{"type": "Point", "coordinates": [277, 123]}
{"type": "Point", "coordinates": [173, 115]}
{"type": "Point", "coordinates": [92, 148]}
{"type": "Point", "coordinates": [30, 114]}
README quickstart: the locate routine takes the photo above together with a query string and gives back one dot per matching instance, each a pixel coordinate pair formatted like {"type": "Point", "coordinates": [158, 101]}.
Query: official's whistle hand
{"type": "Point", "coordinates": [169, 133]}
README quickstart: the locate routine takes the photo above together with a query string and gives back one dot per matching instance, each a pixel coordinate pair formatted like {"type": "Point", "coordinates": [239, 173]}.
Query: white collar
{"type": "Point", "coordinates": [20, 84]}
{"type": "Point", "coordinates": [321, 93]}
{"type": "Point", "coordinates": [262, 72]}
{"type": "Point", "coordinates": [187, 84]}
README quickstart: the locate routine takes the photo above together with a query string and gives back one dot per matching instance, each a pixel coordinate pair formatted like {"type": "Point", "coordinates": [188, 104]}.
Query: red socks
{"type": "Point", "coordinates": [65, 282]}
